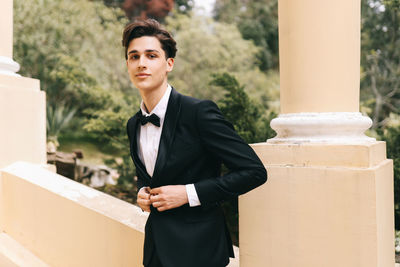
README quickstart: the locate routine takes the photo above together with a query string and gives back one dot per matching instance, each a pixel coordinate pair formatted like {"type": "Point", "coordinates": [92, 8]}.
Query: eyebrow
{"type": "Point", "coordinates": [146, 51]}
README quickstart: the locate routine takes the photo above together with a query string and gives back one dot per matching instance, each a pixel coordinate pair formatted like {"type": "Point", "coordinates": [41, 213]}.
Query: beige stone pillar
{"type": "Point", "coordinates": [328, 200]}
{"type": "Point", "coordinates": [319, 44]}
{"type": "Point", "coordinates": [315, 33]}
{"type": "Point", "coordinates": [7, 65]}
{"type": "Point", "coordinates": [22, 104]}
{"type": "Point", "coordinates": [6, 32]}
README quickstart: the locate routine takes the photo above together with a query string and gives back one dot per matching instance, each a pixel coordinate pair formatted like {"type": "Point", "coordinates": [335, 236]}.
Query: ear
{"type": "Point", "coordinates": [170, 64]}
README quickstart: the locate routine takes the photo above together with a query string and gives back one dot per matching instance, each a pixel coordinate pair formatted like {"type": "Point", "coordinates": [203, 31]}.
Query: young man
{"type": "Point", "coordinates": [177, 144]}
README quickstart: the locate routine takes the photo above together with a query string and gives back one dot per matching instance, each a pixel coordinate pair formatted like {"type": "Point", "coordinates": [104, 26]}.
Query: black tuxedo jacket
{"type": "Point", "coordinates": [195, 140]}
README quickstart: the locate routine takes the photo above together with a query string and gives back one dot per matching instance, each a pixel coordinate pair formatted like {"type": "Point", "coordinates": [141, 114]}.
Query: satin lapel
{"type": "Point", "coordinates": [168, 131]}
{"type": "Point", "coordinates": [134, 148]}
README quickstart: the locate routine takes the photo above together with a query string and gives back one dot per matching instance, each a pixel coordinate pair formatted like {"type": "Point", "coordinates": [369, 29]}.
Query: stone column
{"type": "Point", "coordinates": [319, 44]}
{"type": "Point", "coordinates": [22, 104]}
{"type": "Point", "coordinates": [7, 65]}
{"type": "Point", "coordinates": [329, 197]}
{"type": "Point", "coordinates": [313, 34]}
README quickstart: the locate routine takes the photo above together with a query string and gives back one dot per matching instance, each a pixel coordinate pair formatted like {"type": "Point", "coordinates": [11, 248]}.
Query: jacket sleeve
{"type": "Point", "coordinates": [140, 183]}
{"type": "Point", "coordinates": [219, 138]}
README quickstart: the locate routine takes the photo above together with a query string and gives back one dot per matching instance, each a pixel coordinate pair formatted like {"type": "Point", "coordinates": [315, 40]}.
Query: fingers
{"type": "Point", "coordinates": [163, 198]}
{"type": "Point", "coordinates": [147, 197]}
{"type": "Point", "coordinates": [168, 197]}
{"type": "Point", "coordinates": [155, 191]}
{"type": "Point", "coordinates": [157, 204]}
{"type": "Point", "coordinates": [143, 201]}
{"type": "Point", "coordinates": [144, 204]}
{"type": "Point", "coordinates": [144, 193]}
{"type": "Point", "coordinates": [160, 206]}
{"type": "Point", "coordinates": [157, 201]}
{"type": "Point", "coordinates": [155, 198]}
{"type": "Point", "coordinates": [145, 189]}
{"type": "Point", "coordinates": [143, 198]}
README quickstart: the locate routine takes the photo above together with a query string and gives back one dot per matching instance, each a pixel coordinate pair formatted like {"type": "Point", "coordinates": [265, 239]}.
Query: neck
{"type": "Point", "coordinates": [152, 97]}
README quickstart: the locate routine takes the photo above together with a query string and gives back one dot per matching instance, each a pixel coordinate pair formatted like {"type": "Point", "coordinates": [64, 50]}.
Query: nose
{"type": "Point", "coordinates": [142, 62]}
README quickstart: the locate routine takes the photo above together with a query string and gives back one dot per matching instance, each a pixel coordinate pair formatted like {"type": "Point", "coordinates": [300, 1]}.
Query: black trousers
{"type": "Point", "coordinates": [155, 261]}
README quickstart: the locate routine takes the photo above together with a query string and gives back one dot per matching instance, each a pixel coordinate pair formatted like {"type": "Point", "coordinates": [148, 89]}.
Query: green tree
{"type": "Point", "coordinates": [78, 61]}
{"type": "Point", "coordinates": [380, 57]}
{"type": "Point", "coordinates": [184, 6]}
{"type": "Point", "coordinates": [257, 21]}
{"type": "Point", "coordinates": [111, 3]}
{"type": "Point", "coordinates": [392, 137]}
{"type": "Point", "coordinates": [58, 117]}
{"type": "Point", "coordinates": [206, 47]}
{"type": "Point", "coordinates": [109, 125]}
{"type": "Point", "coordinates": [240, 110]}
{"type": "Point", "coordinates": [380, 78]}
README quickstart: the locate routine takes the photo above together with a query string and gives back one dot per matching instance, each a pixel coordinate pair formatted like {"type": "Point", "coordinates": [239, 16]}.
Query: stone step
{"type": "Point", "coordinates": [13, 254]}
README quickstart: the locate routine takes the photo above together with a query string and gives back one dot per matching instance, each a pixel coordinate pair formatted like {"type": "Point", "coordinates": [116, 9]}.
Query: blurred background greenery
{"type": "Point", "coordinates": [229, 55]}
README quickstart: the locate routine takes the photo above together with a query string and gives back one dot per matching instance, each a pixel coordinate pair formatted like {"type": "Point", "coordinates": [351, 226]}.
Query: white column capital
{"type": "Point", "coordinates": [8, 66]}
{"type": "Point", "coordinates": [321, 127]}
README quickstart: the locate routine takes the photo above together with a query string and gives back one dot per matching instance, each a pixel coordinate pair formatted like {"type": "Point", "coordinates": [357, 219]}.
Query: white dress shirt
{"type": "Point", "coordinates": [149, 140]}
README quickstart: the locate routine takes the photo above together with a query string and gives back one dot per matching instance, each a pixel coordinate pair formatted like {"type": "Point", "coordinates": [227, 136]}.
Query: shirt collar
{"type": "Point", "coordinates": [161, 108]}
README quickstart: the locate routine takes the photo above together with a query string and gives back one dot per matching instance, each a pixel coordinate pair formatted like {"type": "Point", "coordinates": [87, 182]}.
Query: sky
{"type": "Point", "coordinates": [204, 6]}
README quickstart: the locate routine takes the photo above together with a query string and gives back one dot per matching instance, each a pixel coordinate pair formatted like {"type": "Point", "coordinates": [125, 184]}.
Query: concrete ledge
{"type": "Point", "coordinates": [327, 155]}
{"type": "Point", "coordinates": [65, 223]}
{"type": "Point", "coordinates": [16, 255]}
{"type": "Point", "coordinates": [5, 262]}
{"type": "Point", "coordinates": [335, 197]}
{"type": "Point", "coordinates": [49, 219]}
{"type": "Point", "coordinates": [19, 83]}
{"type": "Point", "coordinates": [22, 141]}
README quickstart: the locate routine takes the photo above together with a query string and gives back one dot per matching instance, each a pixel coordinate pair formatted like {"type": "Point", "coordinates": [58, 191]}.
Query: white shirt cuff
{"type": "Point", "coordinates": [192, 195]}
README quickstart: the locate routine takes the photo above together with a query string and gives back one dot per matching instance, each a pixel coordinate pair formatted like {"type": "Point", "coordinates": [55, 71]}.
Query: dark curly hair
{"type": "Point", "coordinates": [149, 27]}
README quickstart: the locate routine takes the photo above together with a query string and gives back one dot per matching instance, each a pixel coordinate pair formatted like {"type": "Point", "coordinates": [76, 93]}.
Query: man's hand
{"type": "Point", "coordinates": [168, 197]}
{"type": "Point", "coordinates": [143, 198]}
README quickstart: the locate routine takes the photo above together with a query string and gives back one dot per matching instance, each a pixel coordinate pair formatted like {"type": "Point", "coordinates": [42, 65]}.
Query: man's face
{"type": "Point", "coordinates": [147, 65]}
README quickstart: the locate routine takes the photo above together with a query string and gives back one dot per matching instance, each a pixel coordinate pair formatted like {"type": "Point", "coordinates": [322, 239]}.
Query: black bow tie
{"type": "Point", "coordinates": [153, 118]}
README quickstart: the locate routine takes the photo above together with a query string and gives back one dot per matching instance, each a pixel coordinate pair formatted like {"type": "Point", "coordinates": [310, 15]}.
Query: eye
{"type": "Point", "coordinates": [134, 57]}
{"type": "Point", "coordinates": [152, 55]}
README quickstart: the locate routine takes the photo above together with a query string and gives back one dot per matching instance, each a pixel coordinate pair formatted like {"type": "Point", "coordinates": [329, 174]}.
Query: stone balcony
{"type": "Point", "coordinates": [49, 220]}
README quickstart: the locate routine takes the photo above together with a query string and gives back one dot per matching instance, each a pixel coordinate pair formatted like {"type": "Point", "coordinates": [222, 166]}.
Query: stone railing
{"type": "Point", "coordinates": [49, 220]}
{"type": "Point", "coordinates": [64, 223]}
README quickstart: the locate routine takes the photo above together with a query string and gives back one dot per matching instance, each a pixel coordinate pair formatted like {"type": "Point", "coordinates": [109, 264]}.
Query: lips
{"type": "Point", "coordinates": [142, 75]}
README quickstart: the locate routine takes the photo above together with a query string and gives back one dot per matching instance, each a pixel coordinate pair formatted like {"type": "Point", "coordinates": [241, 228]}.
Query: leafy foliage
{"type": "Point", "coordinates": [392, 137]}
{"type": "Point", "coordinates": [257, 21]}
{"type": "Point", "coordinates": [58, 118]}
{"type": "Point", "coordinates": [380, 78]}
{"type": "Point", "coordinates": [111, 3]}
{"type": "Point", "coordinates": [380, 57]}
{"type": "Point", "coordinates": [78, 61]}
{"type": "Point", "coordinates": [206, 47]}
{"type": "Point", "coordinates": [243, 113]}
{"type": "Point", "coordinates": [184, 6]}
{"type": "Point", "coordinates": [109, 125]}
